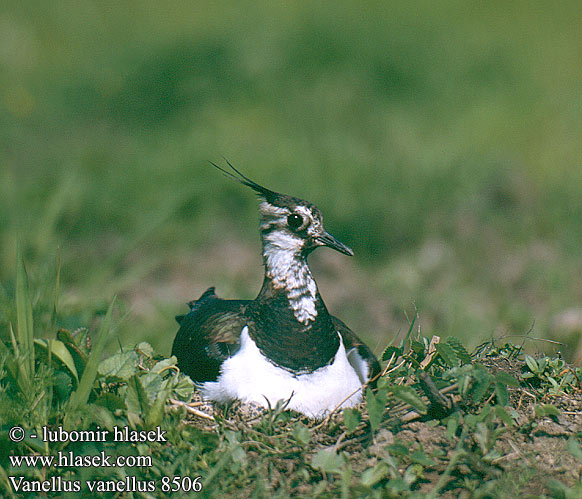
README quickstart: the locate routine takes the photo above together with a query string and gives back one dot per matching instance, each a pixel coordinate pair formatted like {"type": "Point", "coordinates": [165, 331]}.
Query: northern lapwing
{"type": "Point", "coordinates": [284, 344]}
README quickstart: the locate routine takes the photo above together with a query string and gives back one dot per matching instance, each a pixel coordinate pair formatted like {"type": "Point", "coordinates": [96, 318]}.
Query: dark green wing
{"type": "Point", "coordinates": [353, 343]}
{"type": "Point", "coordinates": [208, 335]}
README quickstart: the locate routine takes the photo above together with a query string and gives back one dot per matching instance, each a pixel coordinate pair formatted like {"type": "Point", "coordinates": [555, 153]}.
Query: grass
{"type": "Point", "coordinates": [490, 433]}
{"type": "Point", "coordinates": [441, 142]}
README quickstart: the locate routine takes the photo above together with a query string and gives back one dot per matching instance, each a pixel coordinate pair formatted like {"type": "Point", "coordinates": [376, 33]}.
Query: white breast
{"type": "Point", "coordinates": [248, 376]}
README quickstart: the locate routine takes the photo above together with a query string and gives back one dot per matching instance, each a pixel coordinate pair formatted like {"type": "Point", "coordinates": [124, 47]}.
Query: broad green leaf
{"type": "Point", "coordinates": [102, 416]}
{"type": "Point", "coordinates": [234, 437]}
{"type": "Point", "coordinates": [372, 476]}
{"type": "Point", "coordinates": [390, 351]}
{"type": "Point", "coordinates": [34, 443]}
{"type": "Point", "coordinates": [506, 378]}
{"type": "Point", "coordinates": [501, 394]}
{"type": "Point", "coordinates": [545, 410]}
{"type": "Point", "coordinates": [480, 388]}
{"type": "Point", "coordinates": [531, 363]}
{"type": "Point", "coordinates": [397, 485]}
{"type": "Point", "coordinates": [79, 356]}
{"type": "Point", "coordinates": [503, 415]}
{"type": "Point", "coordinates": [136, 399]}
{"type": "Point", "coordinates": [558, 489]}
{"type": "Point", "coordinates": [375, 404]}
{"type": "Point", "coordinates": [412, 473]}
{"type": "Point", "coordinates": [152, 384]}
{"type": "Point", "coordinates": [328, 461]}
{"type": "Point", "coordinates": [408, 394]}
{"type": "Point", "coordinates": [182, 387]}
{"type": "Point", "coordinates": [82, 338]}
{"type": "Point", "coordinates": [301, 434]}
{"type": "Point", "coordinates": [464, 382]}
{"type": "Point", "coordinates": [485, 413]}
{"type": "Point", "coordinates": [420, 457]}
{"type": "Point", "coordinates": [352, 418]}
{"type": "Point", "coordinates": [567, 380]}
{"type": "Point", "coordinates": [482, 435]}
{"type": "Point", "coordinates": [121, 365]}
{"type": "Point", "coordinates": [459, 349]}
{"type": "Point", "coordinates": [383, 384]}
{"type": "Point", "coordinates": [417, 347]}
{"type": "Point", "coordinates": [238, 454]}
{"type": "Point", "coordinates": [574, 448]}
{"type": "Point", "coordinates": [58, 350]}
{"type": "Point", "coordinates": [554, 383]}
{"type": "Point", "coordinates": [452, 425]}
{"type": "Point", "coordinates": [145, 348]}
{"type": "Point", "coordinates": [397, 449]}
{"type": "Point", "coordinates": [447, 353]}
{"type": "Point", "coordinates": [62, 384]}
{"type": "Point", "coordinates": [110, 401]}
{"type": "Point", "coordinates": [165, 364]}
{"type": "Point", "coordinates": [155, 413]}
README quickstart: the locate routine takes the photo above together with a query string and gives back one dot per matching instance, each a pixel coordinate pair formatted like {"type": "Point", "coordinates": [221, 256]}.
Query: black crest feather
{"type": "Point", "coordinates": [268, 194]}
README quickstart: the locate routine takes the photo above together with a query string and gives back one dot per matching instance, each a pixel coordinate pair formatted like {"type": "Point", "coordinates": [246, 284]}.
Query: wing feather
{"type": "Point", "coordinates": [351, 342]}
{"type": "Point", "coordinates": [208, 335]}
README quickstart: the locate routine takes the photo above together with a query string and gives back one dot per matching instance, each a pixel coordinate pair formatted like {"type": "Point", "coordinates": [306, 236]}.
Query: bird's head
{"type": "Point", "coordinates": [288, 224]}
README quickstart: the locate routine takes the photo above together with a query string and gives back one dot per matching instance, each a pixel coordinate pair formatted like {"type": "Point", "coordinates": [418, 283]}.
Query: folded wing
{"type": "Point", "coordinates": [208, 335]}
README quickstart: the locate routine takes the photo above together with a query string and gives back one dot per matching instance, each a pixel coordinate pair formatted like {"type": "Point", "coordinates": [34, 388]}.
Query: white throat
{"type": "Point", "coordinates": [288, 270]}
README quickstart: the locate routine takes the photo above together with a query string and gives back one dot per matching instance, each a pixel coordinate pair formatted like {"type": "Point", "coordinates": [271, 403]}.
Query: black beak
{"type": "Point", "coordinates": [326, 239]}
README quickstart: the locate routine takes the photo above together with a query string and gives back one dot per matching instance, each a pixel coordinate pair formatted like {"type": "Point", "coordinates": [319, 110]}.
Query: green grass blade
{"type": "Point", "coordinates": [24, 321]}
{"type": "Point", "coordinates": [10, 362]}
{"type": "Point", "coordinates": [53, 325]}
{"type": "Point", "coordinates": [81, 395]}
{"type": "Point", "coordinates": [17, 366]}
{"type": "Point", "coordinates": [4, 478]}
{"type": "Point", "coordinates": [404, 341]}
{"type": "Point", "coordinates": [56, 295]}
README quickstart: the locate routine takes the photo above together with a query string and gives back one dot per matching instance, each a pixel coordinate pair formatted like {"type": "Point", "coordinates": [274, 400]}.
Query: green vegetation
{"type": "Point", "coordinates": [440, 140]}
{"type": "Point", "coordinates": [488, 435]}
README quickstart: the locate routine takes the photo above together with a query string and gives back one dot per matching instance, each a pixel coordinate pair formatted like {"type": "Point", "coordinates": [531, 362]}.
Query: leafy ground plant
{"type": "Point", "coordinates": [439, 422]}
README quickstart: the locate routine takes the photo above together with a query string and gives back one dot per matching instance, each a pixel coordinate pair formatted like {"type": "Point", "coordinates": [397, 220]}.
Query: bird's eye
{"type": "Point", "coordinates": [294, 221]}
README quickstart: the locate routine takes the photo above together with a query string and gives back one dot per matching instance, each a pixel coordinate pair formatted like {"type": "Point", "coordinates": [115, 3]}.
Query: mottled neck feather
{"type": "Point", "coordinates": [290, 273]}
{"type": "Point", "coordinates": [293, 327]}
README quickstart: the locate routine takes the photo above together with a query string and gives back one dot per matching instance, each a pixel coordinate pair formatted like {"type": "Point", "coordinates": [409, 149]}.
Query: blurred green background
{"type": "Point", "coordinates": [441, 140]}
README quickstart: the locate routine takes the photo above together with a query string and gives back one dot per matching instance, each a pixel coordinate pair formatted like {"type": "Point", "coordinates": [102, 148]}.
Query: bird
{"type": "Point", "coordinates": [284, 345]}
